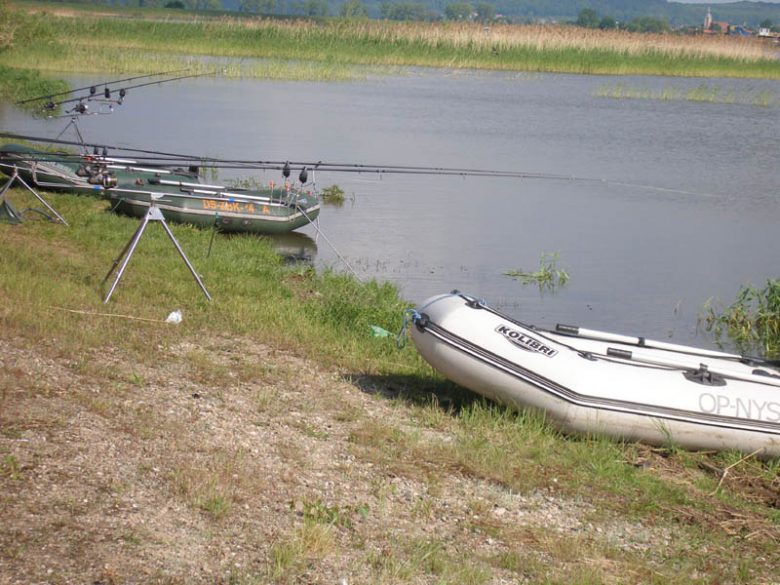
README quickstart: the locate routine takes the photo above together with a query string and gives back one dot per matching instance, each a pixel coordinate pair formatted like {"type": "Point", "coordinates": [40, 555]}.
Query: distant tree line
{"type": "Point", "coordinates": [588, 18]}
{"type": "Point", "coordinates": [405, 10]}
{"type": "Point", "coordinates": [641, 15]}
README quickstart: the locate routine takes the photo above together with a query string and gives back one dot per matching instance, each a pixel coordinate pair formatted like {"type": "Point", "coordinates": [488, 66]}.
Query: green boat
{"type": "Point", "coordinates": [81, 173]}
{"type": "Point", "coordinates": [270, 210]}
{"type": "Point", "coordinates": [178, 192]}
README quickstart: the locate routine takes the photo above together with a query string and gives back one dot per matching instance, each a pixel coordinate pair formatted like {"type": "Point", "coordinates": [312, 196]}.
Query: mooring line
{"type": "Point", "coordinates": [319, 232]}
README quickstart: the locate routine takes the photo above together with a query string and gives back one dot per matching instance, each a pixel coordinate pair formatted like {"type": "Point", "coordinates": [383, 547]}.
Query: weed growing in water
{"type": "Point", "coordinates": [701, 93]}
{"type": "Point", "coordinates": [752, 321]}
{"type": "Point", "coordinates": [547, 277]}
{"type": "Point", "coordinates": [333, 194]}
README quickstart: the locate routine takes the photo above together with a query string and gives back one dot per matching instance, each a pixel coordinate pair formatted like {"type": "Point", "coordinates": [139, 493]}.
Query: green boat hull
{"type": "Point", "coordinates": [258, 212]}
{"type": "Point", "coordinates": [60, 171]}
{"type": "Point", "coordinates": [179, 194]}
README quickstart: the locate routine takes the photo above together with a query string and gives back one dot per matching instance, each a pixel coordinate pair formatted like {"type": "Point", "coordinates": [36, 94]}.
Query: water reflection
{"type": "Point", "coordinates": [295, 248]}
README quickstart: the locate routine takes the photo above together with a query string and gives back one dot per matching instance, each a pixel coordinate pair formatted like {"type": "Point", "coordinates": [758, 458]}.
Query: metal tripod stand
{"type": "Point", "coordinates": [153, 214]}
{"type": "Point", "coordinates": [16, 177]}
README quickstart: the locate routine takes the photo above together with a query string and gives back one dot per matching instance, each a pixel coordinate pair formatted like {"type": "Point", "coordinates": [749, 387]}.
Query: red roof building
{"type": "Point", "coordinates": [711, 29]}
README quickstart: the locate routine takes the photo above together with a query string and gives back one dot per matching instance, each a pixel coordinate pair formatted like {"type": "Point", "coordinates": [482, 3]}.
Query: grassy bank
{"type": "Point", "coordinates": [22, 84]}
{"type": "Point", "coordinates": [94, 42]}
{"type": "Point", "coordinates": [271, 437]}
{"type": "Point", "coordinates": [18, 31]}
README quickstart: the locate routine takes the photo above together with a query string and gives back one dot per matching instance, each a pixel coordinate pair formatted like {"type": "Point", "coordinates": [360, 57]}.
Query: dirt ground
{"type": "Point", "coordinates": [230, 462]}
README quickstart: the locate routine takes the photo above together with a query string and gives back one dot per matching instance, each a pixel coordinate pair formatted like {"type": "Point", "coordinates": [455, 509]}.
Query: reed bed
{"type": "Point", "coordinates": [381, 43]}
{"type": "Point", "coordinates": [81, 59]}
{"type": "Point", "coordinates": [701, 93]}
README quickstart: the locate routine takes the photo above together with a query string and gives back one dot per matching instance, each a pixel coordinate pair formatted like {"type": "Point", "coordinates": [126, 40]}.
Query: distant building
{"type": "Point", "coordinates": [710, 27]}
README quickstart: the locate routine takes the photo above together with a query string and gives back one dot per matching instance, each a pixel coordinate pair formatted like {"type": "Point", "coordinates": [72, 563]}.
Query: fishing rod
{"type": "Point", "coordinates": [163, 158]}
{"type": "Point", "coordinates": [93, 88]}
{"type": "Point", "coordinates": [287, 165]}
{"type": "Point", "coordinates": [171, 159]}
{"type": "Point", "coordinates": [81, 108]}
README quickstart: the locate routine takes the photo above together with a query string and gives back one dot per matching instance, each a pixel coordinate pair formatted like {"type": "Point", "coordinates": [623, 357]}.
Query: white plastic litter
{"type": "Point", "coordinates": [174, 317]}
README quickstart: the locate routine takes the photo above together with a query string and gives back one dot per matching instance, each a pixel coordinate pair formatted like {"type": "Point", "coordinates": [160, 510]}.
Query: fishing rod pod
{"type": "Point", "coordinates": [106, 94]}
{"type": "Point", "coordinates": [93, 88]}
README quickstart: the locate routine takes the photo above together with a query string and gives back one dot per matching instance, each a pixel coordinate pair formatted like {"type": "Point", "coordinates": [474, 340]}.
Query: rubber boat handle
{"type": "Point", "coordinates": [570, 329]}
{"type": "Point", "coordinates": [619, 353]}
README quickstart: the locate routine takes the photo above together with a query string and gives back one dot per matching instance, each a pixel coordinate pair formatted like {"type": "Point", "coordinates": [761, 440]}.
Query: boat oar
{"type": "Point", "coordinates": [184, 184]}
{"type": "Point", "coordinates": [700, 372]}
{"type": "Point", "coordinates": [639, 341]}
{"type": "Point", "coordinates": [584, 333]}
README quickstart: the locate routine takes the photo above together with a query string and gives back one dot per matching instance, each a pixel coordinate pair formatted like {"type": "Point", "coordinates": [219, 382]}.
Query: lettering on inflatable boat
{"type": "Point", "coordinates": [525, 342]}
{"type": "Point", "coordinates": [228, 206]}
{"type": "Point", "coordinates": [739, 407]}
{"type": "Point", "coordinates": [58, 167]}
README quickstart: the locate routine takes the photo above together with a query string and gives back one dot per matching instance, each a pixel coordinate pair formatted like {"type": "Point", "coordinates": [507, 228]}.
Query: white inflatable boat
{"type": "Point", "coordinates": [595, 382]}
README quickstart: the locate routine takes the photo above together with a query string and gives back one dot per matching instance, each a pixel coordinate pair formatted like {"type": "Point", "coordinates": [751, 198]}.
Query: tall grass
{"type": "Point", "coordinates": [18, 31]}
{"type": "Point", "coordinates": [374, 43]}
{"type": "Point", "coordinates": [752, 321]}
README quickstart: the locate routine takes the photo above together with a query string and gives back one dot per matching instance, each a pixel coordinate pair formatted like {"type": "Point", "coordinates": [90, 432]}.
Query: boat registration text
{"type": "Point", "coordinates": [738, 407]}
{"type": "Point", "coordinates": [236, 206]}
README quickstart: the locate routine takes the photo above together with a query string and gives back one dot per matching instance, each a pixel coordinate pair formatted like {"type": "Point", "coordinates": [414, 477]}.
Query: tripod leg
{"type": "Point", "coordinates": [184, 257]}
{"type": "Point", "coordinates": [129, 249]}
{"type": "Point", "coordinates": [8, 184]}
{"type": "Point", "coordinates": [41, 199]}
{"type": "Point", "coordinates": [136, 235]}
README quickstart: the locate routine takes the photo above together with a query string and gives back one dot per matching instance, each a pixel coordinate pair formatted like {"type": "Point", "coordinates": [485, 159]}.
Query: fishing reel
{"type": "Point", "coordinates": [97, 175]}
{"type": "Point", "coordinates": [104, 179]}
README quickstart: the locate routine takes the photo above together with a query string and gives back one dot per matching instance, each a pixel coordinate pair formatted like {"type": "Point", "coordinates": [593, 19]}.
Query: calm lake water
{"type": "Point", "coordinates": [642, 261]}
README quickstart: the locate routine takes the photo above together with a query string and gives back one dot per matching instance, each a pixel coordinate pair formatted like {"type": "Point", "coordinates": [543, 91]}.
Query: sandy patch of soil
{"type": "Point", "coordinates": [231, 462]}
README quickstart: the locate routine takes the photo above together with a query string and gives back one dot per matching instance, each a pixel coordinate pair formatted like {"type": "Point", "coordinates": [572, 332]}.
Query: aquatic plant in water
{"type": "Point", "coordinates": [752, 321]}
{"type": "Point", "coordinates": [701, 93]}
{"type": "Point", "coordinates": [333, 194]}
{"type": "Point", "coordinates": [548, 276]}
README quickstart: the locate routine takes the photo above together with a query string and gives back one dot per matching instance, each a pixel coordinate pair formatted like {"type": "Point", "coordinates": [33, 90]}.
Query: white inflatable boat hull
{"type": "Point", "coordinates": [696, 399]}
